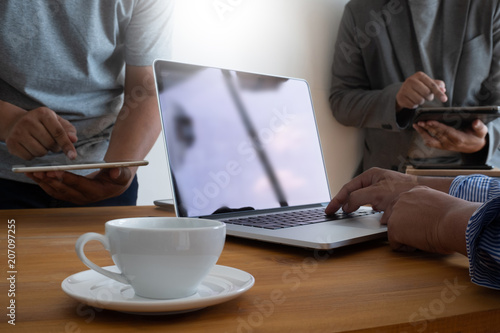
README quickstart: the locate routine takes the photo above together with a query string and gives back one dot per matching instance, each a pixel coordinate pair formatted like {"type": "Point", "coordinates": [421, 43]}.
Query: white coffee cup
{"type": "Point", "coordinates": [160, 257]}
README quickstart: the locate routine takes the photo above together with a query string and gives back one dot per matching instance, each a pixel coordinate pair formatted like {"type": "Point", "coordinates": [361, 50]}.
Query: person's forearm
{"type": "Point", "coordinates": [438, 183]}
{"type": "Point", "coordinates": [364, 108]}
{"type": "Point", "coordinates": [138, 123]}
{"type": "Point", "coordinates": [453, 227]}
{"type": "Point", "coordinates": [133, 137]}
{"type": "Point", "coordinates": [9, 114]}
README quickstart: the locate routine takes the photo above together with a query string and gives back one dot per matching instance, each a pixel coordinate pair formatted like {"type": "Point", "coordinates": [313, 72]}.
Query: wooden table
{"type": "Point", "coordinates": [360, 288]}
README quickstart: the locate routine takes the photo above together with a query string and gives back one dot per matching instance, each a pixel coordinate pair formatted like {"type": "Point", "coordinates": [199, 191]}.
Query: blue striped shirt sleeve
{"type": "Point", "coordinates": [483, 230]}
{"type": "Point", "coordinates": [476, 188]}
{"type": "Point", "coordinates": [483, 244]}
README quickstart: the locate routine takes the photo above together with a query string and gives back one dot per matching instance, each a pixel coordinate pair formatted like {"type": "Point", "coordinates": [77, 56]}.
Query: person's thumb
{"type": "Point", "coordinates": [120, 176]}
{"type": "Point", "coordinates": [480, 129]}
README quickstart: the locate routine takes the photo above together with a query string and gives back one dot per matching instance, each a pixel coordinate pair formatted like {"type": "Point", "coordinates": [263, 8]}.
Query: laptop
{"type": "Point", "coordinates": [243, 148]}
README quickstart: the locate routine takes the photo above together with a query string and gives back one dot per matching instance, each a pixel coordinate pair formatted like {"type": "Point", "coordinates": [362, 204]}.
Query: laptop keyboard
{"type": "Point", "coordinates": [293, 218]}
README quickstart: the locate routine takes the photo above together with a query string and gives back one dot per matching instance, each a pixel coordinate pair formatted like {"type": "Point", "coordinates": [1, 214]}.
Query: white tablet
{"type": "Point", "coordinates": [77, 166]}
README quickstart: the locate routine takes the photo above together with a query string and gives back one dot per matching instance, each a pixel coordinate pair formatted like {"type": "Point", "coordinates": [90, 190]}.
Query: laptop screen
{"type": "Point", "coordinates": [239, 141]}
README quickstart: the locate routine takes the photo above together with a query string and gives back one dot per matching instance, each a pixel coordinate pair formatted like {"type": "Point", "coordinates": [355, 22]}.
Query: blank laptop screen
{"type": "Point", "coordinates": [239, 141]}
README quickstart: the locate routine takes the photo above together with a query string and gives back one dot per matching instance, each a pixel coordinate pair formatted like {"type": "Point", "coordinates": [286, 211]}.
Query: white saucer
{"type": "Point", "coordinates": [89, 287]}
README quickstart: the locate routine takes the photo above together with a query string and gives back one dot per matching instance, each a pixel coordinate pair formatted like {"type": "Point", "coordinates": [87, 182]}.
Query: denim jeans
{"type": "Point", "coordinates": [18, 195]}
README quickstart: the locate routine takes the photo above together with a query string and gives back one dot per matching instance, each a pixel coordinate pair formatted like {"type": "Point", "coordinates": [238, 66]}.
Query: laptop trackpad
{"type": "Point", "coordinates": [337, 233]}
{"type": "Point", "coordinates": [369, 222]}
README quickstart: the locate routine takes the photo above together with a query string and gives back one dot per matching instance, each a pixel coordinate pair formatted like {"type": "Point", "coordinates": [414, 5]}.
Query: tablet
{"type": "Point", "coordinates": [457, 117]}
{"type": "Point", "coordinates": [77, 166]}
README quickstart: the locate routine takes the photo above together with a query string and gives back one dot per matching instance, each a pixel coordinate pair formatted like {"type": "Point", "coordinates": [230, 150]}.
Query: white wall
{"type": "Point", "coordinates": [292, 38]}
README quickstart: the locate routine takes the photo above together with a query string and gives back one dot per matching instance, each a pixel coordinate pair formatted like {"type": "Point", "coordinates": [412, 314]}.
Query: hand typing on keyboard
{"type": "Point", "coordinates": [418, 211]}
{"type": "Point", "coordinates": [375, 187]}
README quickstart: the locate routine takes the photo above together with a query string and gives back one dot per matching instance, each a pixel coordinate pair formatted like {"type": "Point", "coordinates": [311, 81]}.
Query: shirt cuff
{"type": "Point", "coordinates": [483, 246]}
{"type": "Point", "coordinates": [475, 188]}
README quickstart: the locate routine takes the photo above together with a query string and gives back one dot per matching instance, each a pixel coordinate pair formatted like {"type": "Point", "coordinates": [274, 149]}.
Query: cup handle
{"type": "Point", "coordinates": [80, 244]}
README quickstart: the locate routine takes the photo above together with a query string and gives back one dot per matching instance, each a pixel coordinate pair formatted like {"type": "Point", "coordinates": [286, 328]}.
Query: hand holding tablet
{"type": "Point", "coordinates": [461, 130]}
